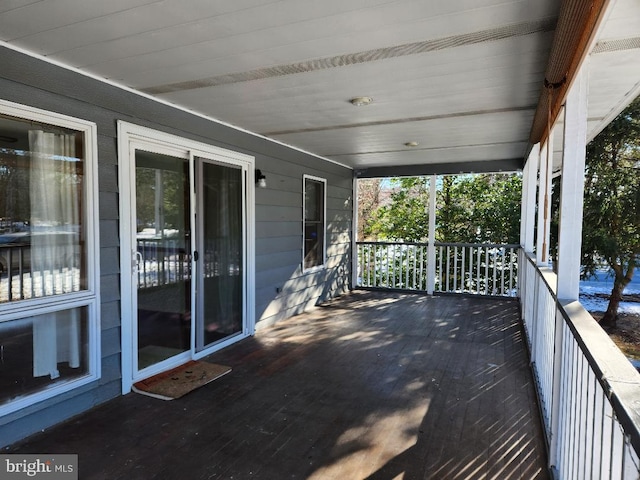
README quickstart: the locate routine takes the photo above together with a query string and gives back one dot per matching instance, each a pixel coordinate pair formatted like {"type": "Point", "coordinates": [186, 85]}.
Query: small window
{"type": "Point", "coordinates": [314, 221]}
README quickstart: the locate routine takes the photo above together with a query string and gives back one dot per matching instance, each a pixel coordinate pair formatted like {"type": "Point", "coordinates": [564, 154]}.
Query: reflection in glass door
{"type": "Point", "coordinates": [162, 257]}
{"type": "Point", "coordinates": [221, 247]}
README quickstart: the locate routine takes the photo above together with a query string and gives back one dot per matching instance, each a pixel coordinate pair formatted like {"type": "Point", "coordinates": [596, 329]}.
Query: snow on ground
{"type": "Point", "coordinates": [594, 293]}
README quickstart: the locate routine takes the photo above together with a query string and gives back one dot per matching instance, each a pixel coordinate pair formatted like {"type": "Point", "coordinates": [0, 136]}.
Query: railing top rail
{"type": "Point", "coordinates": [15, 244]}
{"type": "Point", "coordinates": [487, 245]}
{"type": "Point", "coordinates": [446, 244]}
{"type": "Point", "coordinates": [393, 243]}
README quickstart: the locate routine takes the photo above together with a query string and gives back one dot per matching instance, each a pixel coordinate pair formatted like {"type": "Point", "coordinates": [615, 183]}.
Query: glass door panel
{"type": "Point", "coordinates": [163, 257]}
{"type": "Point", "coordinates": [221, 248]}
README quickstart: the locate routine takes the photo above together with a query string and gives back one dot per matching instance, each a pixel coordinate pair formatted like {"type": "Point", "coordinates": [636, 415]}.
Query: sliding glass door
{"type": "Point", "coordinates": [163, 257]}
{"type": "Point", "coordinates": [188, 225]}
{"type": "Point", "coordinates": [221, 247]}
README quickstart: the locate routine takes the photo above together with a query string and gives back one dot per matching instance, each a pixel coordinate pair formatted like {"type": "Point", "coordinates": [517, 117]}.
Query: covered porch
{"type": "Point", "coordinates": [374, 385]}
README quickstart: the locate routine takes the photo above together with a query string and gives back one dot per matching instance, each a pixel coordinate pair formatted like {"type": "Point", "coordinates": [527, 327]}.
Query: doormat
{"type": "Point", "coordinates": [181, 380]}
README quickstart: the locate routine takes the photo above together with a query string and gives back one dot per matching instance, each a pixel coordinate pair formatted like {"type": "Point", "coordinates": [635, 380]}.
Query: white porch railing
{"type": "Point", "coordinates": [589, 392]}
{"type": "Point", "coordinates": [482, 269]}
{"type": "Point", "coordinates": [163, 262]}
{"type": "Point", "coordinates": [21, 280]}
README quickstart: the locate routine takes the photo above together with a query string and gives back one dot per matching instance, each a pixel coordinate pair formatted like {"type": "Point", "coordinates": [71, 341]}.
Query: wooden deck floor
{"type": "Point", "coordinates": [370, 386]}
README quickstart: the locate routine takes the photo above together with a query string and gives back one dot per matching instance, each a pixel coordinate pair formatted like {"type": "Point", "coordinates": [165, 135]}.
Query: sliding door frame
{"type": "Point", "coordinates": [130, 138]}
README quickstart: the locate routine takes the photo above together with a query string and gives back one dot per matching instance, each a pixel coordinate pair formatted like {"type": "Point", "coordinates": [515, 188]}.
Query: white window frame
{"type": "Point", "coordinates": [323, 265]}
{"type": "Point", "coordinates": [90, 297]}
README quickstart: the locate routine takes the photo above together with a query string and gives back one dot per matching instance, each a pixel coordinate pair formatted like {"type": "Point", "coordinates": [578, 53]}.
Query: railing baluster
{"type": "Point", "coordinates": [471, 289]}
{"type": "Point", "coordinates": [447, 271]}
{"type": "Point", "coordinates": [415, 266]}
{"type": "Point", "coordinates": [462, 271]}
{"type": "Point", "coordinates": [455, 269]}
{"type": "Point", "coordinates": [387, 266]}
{"type": "Point", "coordinates": [9, 274]}
{"type": "Point", "coordinates": [440, 272]}
{"type": "Point", "coordinates": [407, 252]}
{"type": "Point", "coordinates": [375, 266]}
{"type": "Point", "coordinates": [423, 284]}
{"type": "Point", "coordinates": [511, 271]}
{"type": "Point", "coordinates": [486, 270]}
{"type": "Point", "coordinates": [502, 260]}
{"type": "Point", "coordinates": [479, 270]}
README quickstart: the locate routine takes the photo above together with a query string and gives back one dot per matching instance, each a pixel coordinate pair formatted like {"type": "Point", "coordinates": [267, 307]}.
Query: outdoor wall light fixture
{"type": "Point", "coordinates": [411, 144]}
{"type": "Point", "coordinates": [261, 180]}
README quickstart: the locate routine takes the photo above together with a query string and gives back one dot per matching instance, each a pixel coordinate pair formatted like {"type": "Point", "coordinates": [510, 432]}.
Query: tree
{"type": "Point", "coordinates": [405, 216]}
{"type": "Point", "coordinates": [368, 204]}
{"type": "Point", "coordinates": [611, 222]}
{"type": "Point", "coordinates": [470, 209]}
{"type": "Point", "coordinates": [481, 208]}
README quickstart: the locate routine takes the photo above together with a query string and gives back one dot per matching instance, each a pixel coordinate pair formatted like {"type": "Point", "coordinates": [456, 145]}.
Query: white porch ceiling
{"type": "Point", "coordinates": [462, 78]}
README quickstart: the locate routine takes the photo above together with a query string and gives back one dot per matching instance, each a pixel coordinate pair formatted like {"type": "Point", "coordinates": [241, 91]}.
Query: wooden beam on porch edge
{"type": "Point", "coordinates": [489, 166]}
{"type": "Point", "coordinates": [578, 22]}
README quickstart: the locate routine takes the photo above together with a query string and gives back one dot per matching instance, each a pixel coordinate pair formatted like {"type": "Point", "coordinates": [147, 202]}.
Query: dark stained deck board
{"type": "Point", "coordinates": [370, 386]}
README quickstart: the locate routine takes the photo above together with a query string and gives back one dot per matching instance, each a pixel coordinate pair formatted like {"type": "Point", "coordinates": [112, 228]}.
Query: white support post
{"type": "Point", "coordinates": [544, 202]}
{"type": "Point", "coordinates": [354, 233]}
{"type": "Point", "coordinates": [431, 248]}
{"type": "Point", "coordinates": [572, 190]}
{"type": "Point", "coordinates": [570, 231]}
{"type": "Point", "coordinates": [528, 207]}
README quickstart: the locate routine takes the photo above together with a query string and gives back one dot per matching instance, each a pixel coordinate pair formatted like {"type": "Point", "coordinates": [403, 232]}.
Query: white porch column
{"type": "Point", "coordinates": [431, 248]}
{"type": "Point", "coordinates": [569, 234]}
{"type": "Point", "coordinates": [544, 202]}
{"type": "Point", "coordinates": [572, 189]}
{"type": "Point", "coordinates": [354, 233]}
{"type": "Point", "coordinates": [528, 207]}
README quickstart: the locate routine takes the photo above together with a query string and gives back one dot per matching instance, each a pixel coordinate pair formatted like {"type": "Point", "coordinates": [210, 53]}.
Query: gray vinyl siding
{"type": "Point", "coordinates": [29, 81]}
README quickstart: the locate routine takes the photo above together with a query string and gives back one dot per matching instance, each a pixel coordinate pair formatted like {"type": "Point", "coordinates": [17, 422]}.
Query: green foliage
{"type": "Point", "coordinates": [405, 217]}
{"type": "Point", "coordinates": [173, 200]}
{"type": "Point", "coordinates": [479, 208]}
{"type": "Point", "coordinates": [470, 209]}
{"type": "Point", "coordinates": [611, 226]}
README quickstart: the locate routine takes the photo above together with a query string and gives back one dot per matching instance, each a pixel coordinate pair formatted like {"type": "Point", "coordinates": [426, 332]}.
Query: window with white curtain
{"type": "Point", "coordinates": [48, 246]}
{"type": "Point", "coordinates": [314, 221]}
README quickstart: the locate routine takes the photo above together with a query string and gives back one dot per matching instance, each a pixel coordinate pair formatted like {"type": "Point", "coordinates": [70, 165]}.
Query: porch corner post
{"type": "Point", "coordinates": [354, 233]}
{"type": "Point", "coordinates": [544, 202]}
{"type": "Point", "coordinates": [572, 189]}
{"type": "Point", "coordinates": [569, 233]}
{"type": "Point", "coordinates": [528, 207]}
{"type": "Point", "coordinates": [431, 247]}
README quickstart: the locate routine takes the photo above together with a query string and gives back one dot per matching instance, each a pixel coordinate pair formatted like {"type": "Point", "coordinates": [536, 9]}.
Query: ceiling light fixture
{"type": "Point", "coordinates": [411, 144]}
{"type": "Point", "coordinates": [360, 101]}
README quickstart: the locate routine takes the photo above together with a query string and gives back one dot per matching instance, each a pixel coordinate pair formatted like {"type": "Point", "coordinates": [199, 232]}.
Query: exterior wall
{"type": "Point", "coordinates": [282, 289]}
